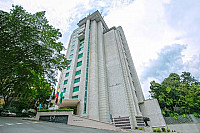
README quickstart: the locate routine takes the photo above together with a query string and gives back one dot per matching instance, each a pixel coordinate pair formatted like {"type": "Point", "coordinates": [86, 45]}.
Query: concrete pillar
{"type": "Point", "coordinates": [104, 112]}
{"type": "Point", "coordinates": [93, 104]}
{"type": "Point", "coordinates": [129, 94]}
{"type": "Point", "coordinates": [83, 70]}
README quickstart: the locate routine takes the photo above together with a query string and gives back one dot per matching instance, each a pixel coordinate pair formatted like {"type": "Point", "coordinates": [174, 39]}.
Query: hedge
{"type": "Point", "coordinates": [52, 110]}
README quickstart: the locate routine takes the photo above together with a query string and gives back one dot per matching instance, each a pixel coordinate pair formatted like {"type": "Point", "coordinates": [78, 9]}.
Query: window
{"type": "Point", "coordinates": [78, 72]}
{"type": "Point", "coordinates": [71, 56]}
{"type": "Point", "coordinates": [72, 51]}
{"type": "Point", "coordinates": [65, 82]}
{"type": "Point", "coordinates": [76, 89]}
{"type": "Point", "coordinates": [75, 97]}
{"type": "Point", "coordinates": [82, 40]}
{"type": "Point", "coordinates": [79, 64]}
{"type": "Point", "coordinates": [68, 67]}
{"type": "Point", "coordinates": [80, 49]}
{"type": "Point", "coordinates": [80, 55]}
{"type": "Point", "coordinates": [81, 44]}
{"type": "Point", "coordinates": [77, 80]}
{"type": "Point", "coordinates": [64, 90]}
{"type": "Point", "coordinates": [67, 74]}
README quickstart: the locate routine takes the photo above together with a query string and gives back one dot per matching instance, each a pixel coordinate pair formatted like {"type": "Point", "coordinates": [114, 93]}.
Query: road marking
{"type": "Point", "coordinates": [1, 125]}
{"type": "Point", "coordinates": [9, 124]}
{"type": "Point", "coordinates": [36, 122]}
{"type": "Point", "coordinates": [26, 123]}
{"type": "Point", "coordinates": [19, 123]}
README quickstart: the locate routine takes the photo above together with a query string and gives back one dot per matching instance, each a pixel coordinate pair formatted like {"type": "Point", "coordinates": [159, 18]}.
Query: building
{"type": "Point", "coordinates": [101, 82]}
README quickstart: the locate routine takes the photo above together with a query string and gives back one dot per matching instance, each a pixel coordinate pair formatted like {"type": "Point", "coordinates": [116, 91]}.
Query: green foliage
{"type": "Point", "coordinates": [140, 128]}
{"type": "Point", "coordinates": [156, 130]}
{"type": "Point", "coordinates": [168, 130]}
{"type": "Point", "coordinates": [163, 129]}
{"type": "Point", "coordinates": [29, 57]}
{"type": "Point", "coordinates": [136, 127]}
{"type": "Point", "coordinates": [177, 95]}
{"type": "Point", "coordinates": [52, 110]}
{"type": "Point", "coordinates": [196, 114]}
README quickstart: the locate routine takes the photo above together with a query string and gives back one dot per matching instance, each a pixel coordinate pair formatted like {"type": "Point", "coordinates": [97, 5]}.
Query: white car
{"type": "Point", "coordinates": [7, 113]}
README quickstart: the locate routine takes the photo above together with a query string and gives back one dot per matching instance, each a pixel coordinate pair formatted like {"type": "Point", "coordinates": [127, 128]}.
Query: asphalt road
{"type": "Point", "coordinates": [17, 125]}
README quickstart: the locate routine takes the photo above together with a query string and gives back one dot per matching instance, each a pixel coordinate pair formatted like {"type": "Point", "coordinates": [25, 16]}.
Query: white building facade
{"type": "Point", "coordinates": [101, 75]}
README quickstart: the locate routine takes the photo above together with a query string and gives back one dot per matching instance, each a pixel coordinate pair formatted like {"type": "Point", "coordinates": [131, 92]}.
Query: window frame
{"type": "Point", "coordinates": [78, 72]}
{"type": "Point", "coordinates": [77, 80]}
{"type": "Point", "coordinates": [75, 89]}
{"type": "Point", "coordinates": [65, 81]}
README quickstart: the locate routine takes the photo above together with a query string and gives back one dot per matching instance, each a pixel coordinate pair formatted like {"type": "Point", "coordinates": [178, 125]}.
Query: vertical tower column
{"type": "Point", "coordinates": [104, 112]}
{"type": "Point", "coordinates": [93, 107]}
{"type": "Point", "coordinates": [129, 95]}
{"type": "Point", "coordinates": [84, 89]}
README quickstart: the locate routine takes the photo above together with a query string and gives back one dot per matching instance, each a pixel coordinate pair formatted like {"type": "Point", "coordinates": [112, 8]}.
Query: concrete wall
{"type": "Point", "coordinates": [150, 108]}
{"type": "Point", "coordinates": [81, 121]}
{"type": "Point", "coordinates": [185, 128]}
{"type": "Point", "coordinates": [93, 107]}
{"type": "Point", "coordinates": [116, 87]}
{"type": "Point", "coordinates": [104, 111]}
{"type": "Point", "coordinates": [69, 113]}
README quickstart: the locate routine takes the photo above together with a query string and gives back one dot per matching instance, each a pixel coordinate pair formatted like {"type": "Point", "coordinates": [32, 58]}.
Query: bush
{"type": "Point", "coordinates": [139, 128]}
{"type": "Point", "coordinates": [158, 130]}
{"type": "Point", "coordinates": [168, 130]}
{"type": "Point", "coordinates": [163, 129]}
{"type": "Point", "coordinates": [52, 110]}
{"type": "Point", "coordinates": [136, 127]}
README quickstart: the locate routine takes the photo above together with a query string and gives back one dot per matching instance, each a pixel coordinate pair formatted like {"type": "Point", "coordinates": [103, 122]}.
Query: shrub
{"type": "Point", "coordinates": [158, 130]}
{"type": "Point", "coordinates": [155, 129]}
{"type": "Point", "coordinates": [139, 128]}
{"type": "Point", "coordinates": [51, 110]}
{"type": "Point", "coordinates": [136, 127]}
{"type": "Point", "coordinates": [163, 129]}
{"type": "Point", "coordinates": [168, 130]}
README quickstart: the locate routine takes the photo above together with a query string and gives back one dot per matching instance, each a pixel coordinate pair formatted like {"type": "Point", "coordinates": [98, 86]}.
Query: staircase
{"type": "Point", "coordinates": [122, 122]}
{"type": "Point", "coordinates": [140, 121]}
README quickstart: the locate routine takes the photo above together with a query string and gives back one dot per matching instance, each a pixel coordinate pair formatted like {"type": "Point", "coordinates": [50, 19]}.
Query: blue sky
{"type": "Point", "coordinates": [163, 35]}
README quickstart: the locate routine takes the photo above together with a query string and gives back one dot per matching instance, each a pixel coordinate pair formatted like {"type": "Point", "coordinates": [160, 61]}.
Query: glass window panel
{"type": "Point", "coordinates": [76, 89]}
{"type": "Point", "coordinates": [80, 55]}
{"type": "Point", "coordinates": [71, 56]}
{"type": "Point", "coordinates": [67, 74]}
{"type": "Point", "coordinates": [80, 49]}
{"type": "Point", "coordinates": [65, 82]}
{"type": "Point", "coordinates": [68, 67]}
{"type": "Point", "coordinates": [75, 97]}
{"type": "Point", "coordinates": [79, 63]}
{"type": "Point", "coordinates": [78, 72]}
{"type": "Point", "coordinates": [77, 80]}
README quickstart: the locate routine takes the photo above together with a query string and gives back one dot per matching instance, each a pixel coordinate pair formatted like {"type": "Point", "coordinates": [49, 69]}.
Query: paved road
{"type": "Point", "coordinates": [17, 125]}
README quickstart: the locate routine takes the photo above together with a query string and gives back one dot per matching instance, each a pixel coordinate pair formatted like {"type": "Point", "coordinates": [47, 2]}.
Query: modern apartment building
{"type": "Point", "coordinates": [100, 81]}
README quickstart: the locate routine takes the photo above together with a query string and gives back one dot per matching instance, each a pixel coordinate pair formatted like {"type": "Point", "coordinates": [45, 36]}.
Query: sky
{"type": "Point", "coordinates": [163, 35]}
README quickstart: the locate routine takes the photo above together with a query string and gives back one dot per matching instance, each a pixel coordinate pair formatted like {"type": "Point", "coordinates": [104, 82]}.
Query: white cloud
{"type": "Point", "coordinates": [152, 25]}
{"type": "Point", "coordinates": [60, 13]}
{"type": "Point", "coordinates": [170, 60]}
{"type": "Point", "coordinates": [146, 29]}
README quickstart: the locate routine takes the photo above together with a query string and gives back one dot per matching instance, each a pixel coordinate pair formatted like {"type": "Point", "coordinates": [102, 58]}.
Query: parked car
{"type": "Point", "coordinates": [7, 113]}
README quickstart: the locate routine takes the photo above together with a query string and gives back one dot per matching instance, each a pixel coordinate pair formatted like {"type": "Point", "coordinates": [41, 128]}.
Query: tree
{"type": "Point", "coordinates": [29, 52]}
{"type": "Point", "coordinates": [177, 95]}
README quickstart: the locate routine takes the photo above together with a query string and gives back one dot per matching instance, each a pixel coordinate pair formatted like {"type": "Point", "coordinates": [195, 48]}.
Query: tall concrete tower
{"type": "Point", "coordinates": [101, 82]}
